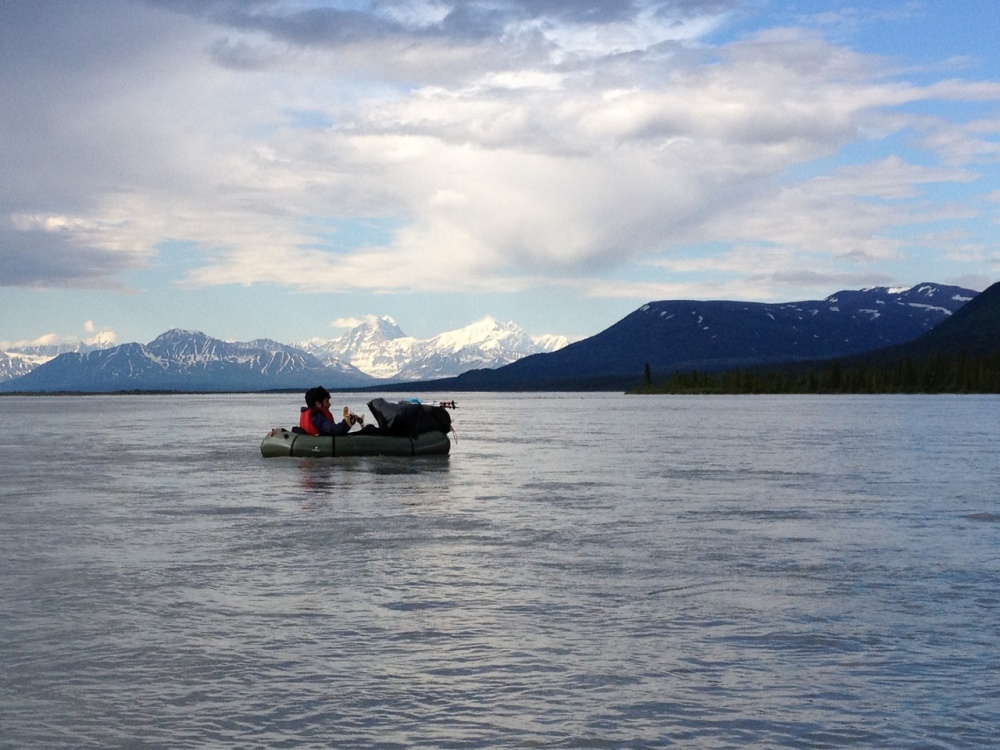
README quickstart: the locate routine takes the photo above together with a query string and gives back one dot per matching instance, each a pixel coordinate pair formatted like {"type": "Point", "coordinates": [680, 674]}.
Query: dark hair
{"type": "Point", "coordinates": [315, 395]}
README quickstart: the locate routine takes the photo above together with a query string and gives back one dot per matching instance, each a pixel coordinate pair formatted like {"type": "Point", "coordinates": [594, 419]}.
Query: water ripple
{"type": "Point", "coordinates": [712, 573]}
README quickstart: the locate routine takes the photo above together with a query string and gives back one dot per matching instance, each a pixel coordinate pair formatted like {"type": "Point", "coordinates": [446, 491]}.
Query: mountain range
{"type": "Point", "coordinates": [378, 347]}
{"type": "Point", "coordinates": [20, 360]}
{"type": "Point", "coordinates": [678, 335]}
{"type": "Point", "coordinates": [666, 335]}
{"type": "Point", "coordinates": [184, 361]}
{"type": "Point", "coordinates": [191, 360]}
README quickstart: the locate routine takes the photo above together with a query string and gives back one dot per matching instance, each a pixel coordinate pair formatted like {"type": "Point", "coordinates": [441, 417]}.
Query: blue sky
{"type": "Point", "coordinates": [280, 168]}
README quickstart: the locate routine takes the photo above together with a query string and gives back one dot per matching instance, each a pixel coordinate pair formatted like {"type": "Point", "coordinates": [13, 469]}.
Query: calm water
{"type": "Point", "coordinates": [584, 571]}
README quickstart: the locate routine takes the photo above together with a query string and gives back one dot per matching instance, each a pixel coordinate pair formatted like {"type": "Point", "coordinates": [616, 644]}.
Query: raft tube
{"type": "Point", "coordinates": [281, 442]}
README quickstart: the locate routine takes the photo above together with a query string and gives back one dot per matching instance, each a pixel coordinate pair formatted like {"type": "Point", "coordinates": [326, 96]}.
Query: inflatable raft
{"type": "Point", "coordinates": [282, 442]}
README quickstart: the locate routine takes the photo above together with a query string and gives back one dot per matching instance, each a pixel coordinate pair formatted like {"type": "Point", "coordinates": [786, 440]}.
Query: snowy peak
{"type": "Point", "coordinates": [386, 327]}
{"type": "Point", "coordinates": [372, 332]}
{"type": "Point", "coordinates": [372, 347]}
{"type": "Point", "coordinates": [186, 346]}
{"type": "Point", "coordinates": [936, 298]}
{"type": "Point", "coordinates": [484, 344]}
{"type": "Point", "coordinates": [379, 348]}
{"type": "Point", "coordinates": [485, 334]}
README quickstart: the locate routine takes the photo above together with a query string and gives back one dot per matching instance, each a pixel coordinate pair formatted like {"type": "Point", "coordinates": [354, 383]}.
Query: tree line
{"type": "Point", "coordinates": [938, 373]}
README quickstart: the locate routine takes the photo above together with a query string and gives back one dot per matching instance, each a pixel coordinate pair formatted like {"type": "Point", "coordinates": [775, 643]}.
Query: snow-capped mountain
{"type": "Point", "coordinates": [379, 348]}
{"type": "Point", "coordinates": [13, 365]}
{"type": "Point", "coordinates": [668, 335]}
{"type": "Point", "coordinates": [672, 335]}
{"type": "Point", "coordinates": [16, 361]}
{"type": "Point", "coordinates": [40, 353]}
{"type": "Point", "coordinates": [188, 361]}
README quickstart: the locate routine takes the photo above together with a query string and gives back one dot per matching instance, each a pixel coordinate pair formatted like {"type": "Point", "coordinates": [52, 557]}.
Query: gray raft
{"type": "Point", "coordinates": [281, 442]}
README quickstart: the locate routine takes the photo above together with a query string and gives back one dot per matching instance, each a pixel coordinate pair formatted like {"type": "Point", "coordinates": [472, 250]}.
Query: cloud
{"type": "Point", "coordinates": [847, 214]}
{"type": "Point", "coordinates": [37, 259]}
{"type": "Point", "coordinates": [335, 25]}
{"type": "Point", "coordinates": [503, 144]}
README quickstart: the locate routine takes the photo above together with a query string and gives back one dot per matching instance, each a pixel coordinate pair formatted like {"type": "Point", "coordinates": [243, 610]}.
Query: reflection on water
{"type": "Point", "coordinates": [329, 476]}
{"type": "Point", "coordinates": [582, 571]}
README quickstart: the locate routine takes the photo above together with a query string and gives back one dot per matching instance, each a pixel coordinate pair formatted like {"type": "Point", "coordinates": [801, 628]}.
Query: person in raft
{"type": "Point", "coordinates": [316, 419]}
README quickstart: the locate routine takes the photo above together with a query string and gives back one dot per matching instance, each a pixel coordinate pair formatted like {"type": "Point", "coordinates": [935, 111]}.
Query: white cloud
{"type": "Point", "coordinates": [554, 147]}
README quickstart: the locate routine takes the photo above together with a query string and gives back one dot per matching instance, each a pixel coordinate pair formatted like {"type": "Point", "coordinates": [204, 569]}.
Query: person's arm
{"type": "Point", "coordinates": [326, 427]}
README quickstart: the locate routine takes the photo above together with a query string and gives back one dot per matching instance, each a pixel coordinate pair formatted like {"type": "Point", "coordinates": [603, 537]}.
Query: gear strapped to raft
{"type": "Point", "coordinates": [409, 419]}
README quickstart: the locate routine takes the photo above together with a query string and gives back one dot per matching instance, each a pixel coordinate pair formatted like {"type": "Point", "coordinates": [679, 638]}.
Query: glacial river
{"type": "Point", "coordinates": [583, 571]}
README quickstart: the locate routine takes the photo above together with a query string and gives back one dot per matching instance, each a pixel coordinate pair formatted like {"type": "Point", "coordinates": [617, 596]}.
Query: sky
{"type": "Point", "coordinates": [281, 168]}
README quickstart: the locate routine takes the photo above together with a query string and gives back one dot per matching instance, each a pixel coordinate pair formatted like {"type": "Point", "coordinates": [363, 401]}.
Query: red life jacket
{"type": "Point", "coordinates": [305, 419]}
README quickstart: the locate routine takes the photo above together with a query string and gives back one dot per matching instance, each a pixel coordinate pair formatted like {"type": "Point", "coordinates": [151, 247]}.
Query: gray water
{"type": "Point", "coordinates": [584, 571]}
